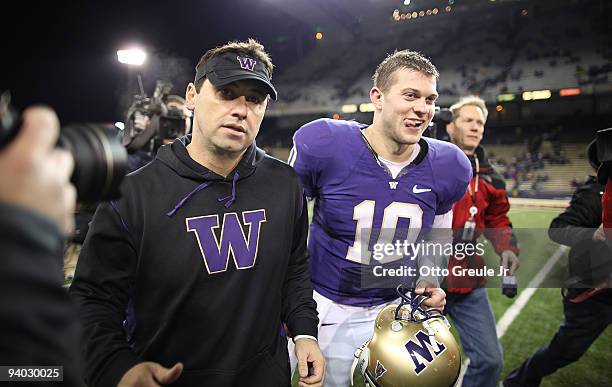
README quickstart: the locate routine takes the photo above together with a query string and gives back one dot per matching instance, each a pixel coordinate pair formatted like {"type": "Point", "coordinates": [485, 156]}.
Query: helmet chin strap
{"type": "Point", "coordinates": [362, 356]}
{"type": "Point", "coordinates": [410, 308]}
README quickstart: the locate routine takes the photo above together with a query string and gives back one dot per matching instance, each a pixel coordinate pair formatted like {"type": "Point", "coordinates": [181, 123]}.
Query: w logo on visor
{"type": "Point", "coordinates": [246, 63]}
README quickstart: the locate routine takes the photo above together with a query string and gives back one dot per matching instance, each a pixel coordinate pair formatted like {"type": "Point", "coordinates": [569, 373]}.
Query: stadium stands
{"type": "Point", "coordinates": [545, 176]}
{"type": "Point", "coordinates": [506, 49]}
{"type": "Point", "coordinates": [511, 47]}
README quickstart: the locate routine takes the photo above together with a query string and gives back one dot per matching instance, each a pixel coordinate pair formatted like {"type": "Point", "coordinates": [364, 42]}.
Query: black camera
{"type": "Point", "coordinates": [604, 145]}
{"type": "Point", "coordinates": [100, 162]}
{"type": "Point", "coordinates": [509, 286]}
{"type": "Point", "coordinates": [437, 127]}
{"type": "Point", "coordinates": [160, 121]}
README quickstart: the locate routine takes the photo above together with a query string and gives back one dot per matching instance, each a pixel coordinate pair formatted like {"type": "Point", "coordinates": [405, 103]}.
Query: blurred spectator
{"type": "Point", "coordinates": [38, 325]}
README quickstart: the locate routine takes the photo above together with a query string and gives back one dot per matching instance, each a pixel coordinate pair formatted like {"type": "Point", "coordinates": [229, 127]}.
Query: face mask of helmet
{"type": "Point", "coordinates": [411, 346]}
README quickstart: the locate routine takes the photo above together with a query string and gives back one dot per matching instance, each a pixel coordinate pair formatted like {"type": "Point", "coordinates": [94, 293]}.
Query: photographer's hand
{"type": "Point", "coordinates": [35, 175]}
{"type": "Point", "coordinates": [599, 234]}
{"type": "Point", "coordinates": [510, 261]}
{"type": "Point", "coordinates": [141, 121]}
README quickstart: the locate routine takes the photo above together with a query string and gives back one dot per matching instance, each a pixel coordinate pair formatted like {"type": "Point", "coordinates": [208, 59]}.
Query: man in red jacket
{"type": "Point", "coordinates": [483, 209]}
{"type": "Point", "coordinates": [604, 176]}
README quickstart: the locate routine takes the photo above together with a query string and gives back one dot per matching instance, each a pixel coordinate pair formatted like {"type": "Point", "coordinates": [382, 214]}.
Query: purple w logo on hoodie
{"type": "Point", "coordinates": [243, 248]}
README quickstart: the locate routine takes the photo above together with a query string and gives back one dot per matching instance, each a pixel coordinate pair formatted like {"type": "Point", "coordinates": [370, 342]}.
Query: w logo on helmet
{"type": "Point", "coordinates": [380, 370]}
{"type": "Point", "coordinates": [421, 351]}
{"type": "Point", "coordinates": [246, 63]}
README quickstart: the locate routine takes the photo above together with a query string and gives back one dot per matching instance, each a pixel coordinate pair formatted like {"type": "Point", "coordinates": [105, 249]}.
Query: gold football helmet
{"type": "Point", "coordinates": [411, 346]}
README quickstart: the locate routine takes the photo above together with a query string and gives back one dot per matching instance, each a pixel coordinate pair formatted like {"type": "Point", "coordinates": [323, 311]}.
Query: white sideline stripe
{"type": "Point", "coordinates": [504, 322]}
{"type": "Point", "coordinates": [508, 317]}
{"type": "Point", "coordinates": [549, 203]}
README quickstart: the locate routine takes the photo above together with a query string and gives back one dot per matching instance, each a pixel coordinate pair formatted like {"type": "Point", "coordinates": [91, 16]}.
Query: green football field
{"type": "Point", "coordinates": [540, 317]}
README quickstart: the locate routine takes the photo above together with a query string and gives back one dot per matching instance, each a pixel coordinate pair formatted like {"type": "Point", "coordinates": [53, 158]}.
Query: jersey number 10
{"type": "Point", "coordinates": [363, 213]}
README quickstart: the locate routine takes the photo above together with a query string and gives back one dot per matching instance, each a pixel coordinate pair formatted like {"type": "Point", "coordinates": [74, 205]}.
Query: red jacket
{"type": "Point", "coordinates": [491, 219]}
{"type": "Point", "coordinates": [606, 202]}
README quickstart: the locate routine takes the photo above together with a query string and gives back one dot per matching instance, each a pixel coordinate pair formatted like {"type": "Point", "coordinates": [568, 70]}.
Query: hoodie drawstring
{"type": "Point", "coordinates": [180, 204]}
{"type": "Point", "coordinates": [114, 206]}
{"type": "Point", "coordinates": [232, 197]}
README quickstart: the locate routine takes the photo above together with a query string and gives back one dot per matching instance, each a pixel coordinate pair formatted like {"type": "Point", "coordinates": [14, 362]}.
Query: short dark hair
{"type": "Point", "coordinates": [250, 48]}
{"type": "Point", "coordinates": [405, 59]}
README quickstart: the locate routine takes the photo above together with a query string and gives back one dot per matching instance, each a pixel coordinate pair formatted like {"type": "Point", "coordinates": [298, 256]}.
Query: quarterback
{"type": "Point", "coordinates": [371, 183]}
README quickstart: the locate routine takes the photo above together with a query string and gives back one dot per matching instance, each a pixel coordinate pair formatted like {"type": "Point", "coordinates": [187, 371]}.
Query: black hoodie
{"type": "Point", "coordinates": [161, 246]}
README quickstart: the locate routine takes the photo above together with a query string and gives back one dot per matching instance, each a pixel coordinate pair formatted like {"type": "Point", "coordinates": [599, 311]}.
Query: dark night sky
{"type": "Point", "coordinates": [63, 53]}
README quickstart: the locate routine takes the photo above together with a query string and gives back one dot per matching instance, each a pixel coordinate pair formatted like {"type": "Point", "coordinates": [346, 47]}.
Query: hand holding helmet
{"type": "Point", "coordinates": [411, 346]}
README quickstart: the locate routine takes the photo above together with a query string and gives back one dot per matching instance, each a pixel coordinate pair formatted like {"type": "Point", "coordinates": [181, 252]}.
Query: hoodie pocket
{"type": "Point", "coordinates": [261, 370]}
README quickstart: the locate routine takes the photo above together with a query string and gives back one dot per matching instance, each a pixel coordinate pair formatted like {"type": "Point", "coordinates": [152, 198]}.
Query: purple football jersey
{"type": "Point", "coordinates": [359, 204]}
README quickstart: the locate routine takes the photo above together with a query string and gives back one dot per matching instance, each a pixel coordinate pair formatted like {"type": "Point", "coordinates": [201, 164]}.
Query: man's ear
{"type": "Point", "coordinates": [450, 129]}
{"type": "Point", "coordinates": [376, 98]}
{"type": "Point", "coordinates": [190, 94]}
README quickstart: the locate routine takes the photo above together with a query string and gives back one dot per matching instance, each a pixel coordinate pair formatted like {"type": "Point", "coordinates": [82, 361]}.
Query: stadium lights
{"type": "Point", "coordinates": [536, 94]}
{"type": "Point", "coordinates": [570, 92]}
{"type": "Point", "coordinates": [541, 94]}
{"type": "Point", "coordinates": [505, 97]}
{"type": "Point", "coordinates": [397, 15]}
{"type": "Point", "coordinates": [132, 56]}
{"type": "Point", "coordinates": [367, 107]}
{"type": "Point", "coordinates": [350, 108]}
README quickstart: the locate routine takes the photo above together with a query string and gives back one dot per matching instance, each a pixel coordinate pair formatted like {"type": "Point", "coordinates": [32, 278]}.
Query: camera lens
{"type": "Point", "coordinates": [100, 162]}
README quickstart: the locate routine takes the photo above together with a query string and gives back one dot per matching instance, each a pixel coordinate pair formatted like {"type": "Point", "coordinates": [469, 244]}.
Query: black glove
{"type": "Point", "coordinates": [604, 172]}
